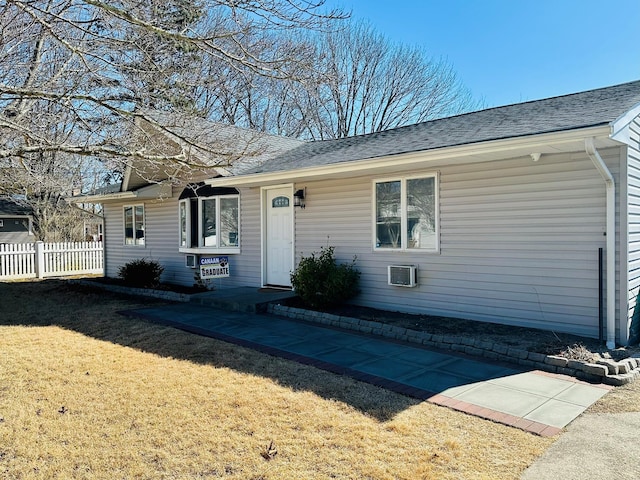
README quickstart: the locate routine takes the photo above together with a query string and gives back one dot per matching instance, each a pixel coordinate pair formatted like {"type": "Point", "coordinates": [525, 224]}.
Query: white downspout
{"type": "Point", "coordinates": [611, 239]}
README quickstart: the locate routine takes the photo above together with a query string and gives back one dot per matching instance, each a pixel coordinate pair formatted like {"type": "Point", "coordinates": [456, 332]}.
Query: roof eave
{"type": "Point", "coordinates": [151, 192]}
{"type": "Point", "coordinates": [101, 198]}
{"type": "Point", "coordinates": [453, 154]}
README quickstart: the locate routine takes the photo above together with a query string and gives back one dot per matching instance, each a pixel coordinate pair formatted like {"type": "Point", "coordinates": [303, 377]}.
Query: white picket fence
{"type": "Point", "coordinates": [39, 260]}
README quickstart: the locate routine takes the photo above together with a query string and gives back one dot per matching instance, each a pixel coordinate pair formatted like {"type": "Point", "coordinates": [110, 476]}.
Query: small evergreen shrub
{"type": "Point", "coordinates": [141, 273]}
{"type": "Point", "coordinates": [321, 282]}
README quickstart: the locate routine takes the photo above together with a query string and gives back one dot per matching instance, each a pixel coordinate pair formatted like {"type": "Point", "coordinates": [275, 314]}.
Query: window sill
{"type": "Point", "coordinates": [420, 251]}
{"type": "Point", "coordinates": [211, 250]}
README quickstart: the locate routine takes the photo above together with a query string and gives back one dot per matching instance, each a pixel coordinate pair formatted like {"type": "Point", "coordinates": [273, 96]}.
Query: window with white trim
{"type": "Point", "coordinates": [209, 219]}
{"type": "Point", "coordinates": [406, 213]}
{"type": "Point", "coordinates": [134, 225]}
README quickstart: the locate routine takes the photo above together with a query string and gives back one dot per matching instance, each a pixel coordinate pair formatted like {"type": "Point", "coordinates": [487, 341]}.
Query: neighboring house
{"type": "Point", "coordinates": [16, 223]}
{"type": "Point", "coordinates": [93, 227]}
{"type": "Point", "coordinates": [502, 213]}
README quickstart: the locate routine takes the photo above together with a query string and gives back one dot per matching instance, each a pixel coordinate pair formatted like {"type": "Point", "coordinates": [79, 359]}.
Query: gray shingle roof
{"type": "Point", "coordinates": [252, 148]}
{"type": "Point", "coordinates": [568, 112]}
{"type": "Point", "coordinates": [10, 208]}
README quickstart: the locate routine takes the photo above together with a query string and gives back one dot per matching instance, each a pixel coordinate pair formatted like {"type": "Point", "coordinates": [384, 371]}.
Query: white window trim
{"type": "Point", "coordinates": [202, 248]}
{"type": "Point", "coordinates": [403, 213]}
{"type": "Point", "coordinates": [124, 226]}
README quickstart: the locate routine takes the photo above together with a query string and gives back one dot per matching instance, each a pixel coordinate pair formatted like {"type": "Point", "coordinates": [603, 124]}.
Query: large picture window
{"type": "Point", "coordinates": [134, 225]}
{"type": "Point", "coordinates": [406, 214]}
{"type": "Point", "coordinates": [209, 219]}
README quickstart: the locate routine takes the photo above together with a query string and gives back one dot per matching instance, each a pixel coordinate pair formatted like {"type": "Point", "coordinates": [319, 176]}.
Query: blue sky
{"type": "Point", "coordinates": [512, 51]}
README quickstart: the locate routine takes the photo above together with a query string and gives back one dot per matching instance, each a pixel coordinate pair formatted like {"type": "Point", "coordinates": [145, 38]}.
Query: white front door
{"type": "Point", "coordinates": [278, 249]}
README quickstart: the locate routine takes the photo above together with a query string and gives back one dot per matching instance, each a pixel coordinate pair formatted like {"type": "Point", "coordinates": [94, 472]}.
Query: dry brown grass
{"type": "Point", "coordinates": [622, 399]}
{"type": "Point", "coordinates": [86, 393]}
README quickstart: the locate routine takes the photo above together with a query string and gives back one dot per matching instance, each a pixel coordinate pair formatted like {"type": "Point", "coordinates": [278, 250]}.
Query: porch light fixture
{"type": "Point", "coordinates": [298, 197]}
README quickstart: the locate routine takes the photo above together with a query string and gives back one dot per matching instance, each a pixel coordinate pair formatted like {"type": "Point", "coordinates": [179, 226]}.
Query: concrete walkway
{"type": "Point", "coordinates": [535, 401]}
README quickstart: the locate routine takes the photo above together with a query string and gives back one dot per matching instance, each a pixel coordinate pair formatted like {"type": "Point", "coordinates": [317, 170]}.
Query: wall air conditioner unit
{"type": "Point", "coordinates": [191, 261]}
{"type": "Point", "coordinates": [403, 275]}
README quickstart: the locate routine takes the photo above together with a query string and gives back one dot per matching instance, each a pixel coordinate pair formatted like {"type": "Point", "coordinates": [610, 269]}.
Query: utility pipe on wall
{"type": "Point", "coordinates": [611, 238]}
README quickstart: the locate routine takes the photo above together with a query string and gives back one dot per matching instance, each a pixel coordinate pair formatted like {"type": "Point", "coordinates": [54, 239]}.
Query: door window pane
{"type": "Point", "coordinates": [280, 202]}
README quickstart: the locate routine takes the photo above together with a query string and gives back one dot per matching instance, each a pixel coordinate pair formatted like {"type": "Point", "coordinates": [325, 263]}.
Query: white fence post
{"type": "Point", "coordinates": [39, 259]}
{"type": "Point", "coordinates": [29, 260]}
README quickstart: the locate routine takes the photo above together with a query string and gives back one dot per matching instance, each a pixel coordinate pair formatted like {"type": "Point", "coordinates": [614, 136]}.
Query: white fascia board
{"type": "Point", "coordinates": [102, 198]}
{"type": "Point", "coordinates": [125, 178]}
{"type": "Point", "coordinates": [531, 143]}
{"type": "Point", "coordinates": [152, 192]}
{"type": "Point", "coordinates": [620, 126]}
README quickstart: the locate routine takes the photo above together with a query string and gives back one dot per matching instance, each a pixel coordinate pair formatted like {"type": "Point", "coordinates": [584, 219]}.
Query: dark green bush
{"type": "Point", "coordinates": [321, 282]}
{"type": "Point", "coordinates": [141, 273]}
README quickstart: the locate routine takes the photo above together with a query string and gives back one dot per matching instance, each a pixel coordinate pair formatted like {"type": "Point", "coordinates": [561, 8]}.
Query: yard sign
{"type": "Point", "coordinates": [214, 267]}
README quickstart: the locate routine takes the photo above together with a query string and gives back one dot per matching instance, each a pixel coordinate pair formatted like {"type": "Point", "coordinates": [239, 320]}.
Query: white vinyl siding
{"type": "Point", "coordinates": [633, 216]}
{"type": "Point", "coordinates": [518, 241]}
{"type": "Point", "coordinates": [162, 235]}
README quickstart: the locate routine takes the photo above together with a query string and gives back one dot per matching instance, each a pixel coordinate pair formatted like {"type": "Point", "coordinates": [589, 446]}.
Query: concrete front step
{"type": "Point", "coordinates": [241, 299]}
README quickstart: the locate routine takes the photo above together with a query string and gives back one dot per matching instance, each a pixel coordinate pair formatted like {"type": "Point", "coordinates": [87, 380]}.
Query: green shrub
{"type": "Point", "coordinates": [141, 273]}
{"type": "Point", "coordinates": [321, 282]}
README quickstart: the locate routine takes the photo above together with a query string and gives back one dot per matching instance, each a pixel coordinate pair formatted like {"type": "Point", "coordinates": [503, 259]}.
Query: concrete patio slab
{"type": "Point", "coordinates": [555, 413]}
{"type": "Point", "coordinates": [435, 381]}
{"type": "Point", "coordinates": [542, 404]}
{"type": "Point", "coordinates": [427, 358]}
{"type": "Point", "coordinates": [479, 370]}
{"type": "Point", "coordinates": [583, 395]}
{"type": "Point", "coordinates": [507, 400]}
{"type": "Point", "coordinates": [344, 357]}
{"type": "Point", "coordinates": [524, 382]}
{"type": "Point", "coordinates": [382, 367]}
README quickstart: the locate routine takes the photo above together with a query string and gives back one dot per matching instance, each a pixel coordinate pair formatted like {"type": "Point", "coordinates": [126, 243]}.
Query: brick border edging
{"type": "Point", "coordinates": [605, 371]}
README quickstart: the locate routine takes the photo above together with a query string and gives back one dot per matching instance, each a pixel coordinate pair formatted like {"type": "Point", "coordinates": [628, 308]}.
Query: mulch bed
{"type": "Point", "coordinates": [531, 339]}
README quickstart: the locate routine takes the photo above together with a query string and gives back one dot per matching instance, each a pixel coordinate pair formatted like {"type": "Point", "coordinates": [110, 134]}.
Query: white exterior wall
{"type": "Point", "coordinates": [161, 241]}
{"type": "Point", "coordinates": [633, 215]}
{"type": "Point", "coordinates": [518, 241]}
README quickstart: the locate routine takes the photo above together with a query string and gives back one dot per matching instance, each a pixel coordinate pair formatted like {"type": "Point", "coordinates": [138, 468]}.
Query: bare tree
{"type": "Point", "coordinates": [80, 81]}
{"type": "Point", "coordinates": [92, 64]}
{"type": "Point", "coordinates": [359, 83]}
{"type": "Point", "coordinates": [370, 84]}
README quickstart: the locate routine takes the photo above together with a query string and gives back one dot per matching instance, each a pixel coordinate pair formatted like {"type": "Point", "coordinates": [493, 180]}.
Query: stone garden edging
{"type": "Point", "coordinates": [139, 292]}
{"type": "Point", "coordinates": [606, 371]}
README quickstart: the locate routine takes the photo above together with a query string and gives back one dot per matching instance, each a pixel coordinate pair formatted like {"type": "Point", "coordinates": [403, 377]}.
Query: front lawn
{"type": "Point", "coordinates": [86, 393]}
